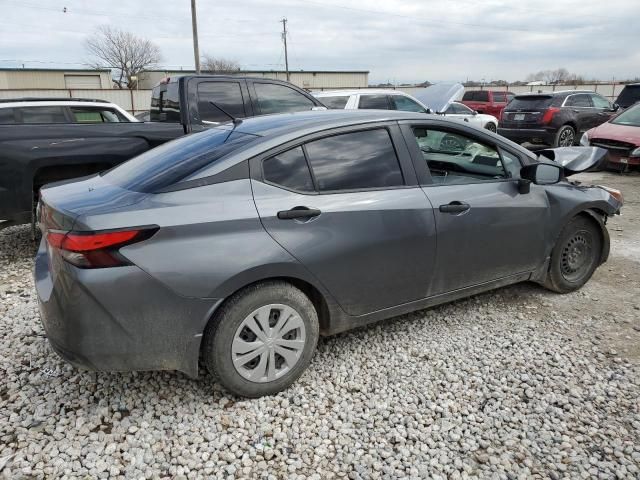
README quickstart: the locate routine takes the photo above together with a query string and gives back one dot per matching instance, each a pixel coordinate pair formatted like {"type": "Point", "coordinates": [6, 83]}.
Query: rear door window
{"type": "Point", "coordinates": [289, 169]}
{"type": "Point", "coordinates": [335, 103]}
{"type": "Point", "coordinates": [227, 95]}
{"type": "Point", "coordinates": [43, 114]}
{"type": "Point", "coordinates": [578, 100]}
{"type": "Point", "coordinates": [274, 98]}
{"type": "Point", "coordinates": [165, 103]}
{"type": "Point", "coordinates": [355, 161]}
{"type": "Point", "coordinates": [499, 97]}
{"type": "Point", "coordinates": [374, 102]}
{"type": "Point", "coordinates": [481, 96]}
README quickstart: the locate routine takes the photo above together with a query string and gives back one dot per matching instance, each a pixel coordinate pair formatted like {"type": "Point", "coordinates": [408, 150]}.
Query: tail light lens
{"type": "Point", "coordinates": [97, 249]}
{"type": "Point", "coordinates": [548, 115]}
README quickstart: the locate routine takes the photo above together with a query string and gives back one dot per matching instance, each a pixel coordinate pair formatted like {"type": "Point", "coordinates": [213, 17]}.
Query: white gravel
{"type": "Point", "coordinates": [498, 386]}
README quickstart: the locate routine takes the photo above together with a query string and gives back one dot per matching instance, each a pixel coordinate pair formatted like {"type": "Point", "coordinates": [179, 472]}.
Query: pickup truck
{"type": "Point", "coordinates": [487, 101]}
{"type": "Point", "coordinates": [35, 153]}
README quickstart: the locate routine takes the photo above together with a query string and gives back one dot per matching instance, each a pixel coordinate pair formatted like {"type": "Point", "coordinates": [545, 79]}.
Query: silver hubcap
{"type": "Point", "coordinates": [268, 343]}
{"type": "Point", "coordinates": [566, 138]}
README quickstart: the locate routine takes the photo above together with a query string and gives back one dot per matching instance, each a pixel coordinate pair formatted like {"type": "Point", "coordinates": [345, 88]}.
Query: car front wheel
{"type": "Point", "coordinates": [575, 257]}
{"type": "Point", "coordinates": [491, 127]}
{"type": "Point", "coordinates": [262, 339]}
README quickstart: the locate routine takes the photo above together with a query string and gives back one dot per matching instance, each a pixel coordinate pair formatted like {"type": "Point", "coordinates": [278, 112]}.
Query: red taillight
{"type": "Point", "coordinates": [96, 249]}
{"type": "Point", "coordinates": [548, 115]}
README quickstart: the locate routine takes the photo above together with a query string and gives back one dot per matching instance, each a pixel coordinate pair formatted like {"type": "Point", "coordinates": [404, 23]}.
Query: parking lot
{"type": "Point", "coordinates": [516, 383]}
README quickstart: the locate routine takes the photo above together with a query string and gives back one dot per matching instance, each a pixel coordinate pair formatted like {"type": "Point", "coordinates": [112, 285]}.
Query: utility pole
{"type": "Point", "coordinates": [284, 38]}
{"type": "Point", "coordinates": [194, 26]}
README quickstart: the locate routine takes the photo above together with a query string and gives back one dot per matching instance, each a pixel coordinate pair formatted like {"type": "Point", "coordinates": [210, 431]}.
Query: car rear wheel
{"type": "Point", "coordinates": [575, 257]}
{"type": "Point", "coordinates": [491, 127]}
{"type": "Point", "coordinates": [566, 136]}
{"type": "Point", "coordinates": [262, 339]}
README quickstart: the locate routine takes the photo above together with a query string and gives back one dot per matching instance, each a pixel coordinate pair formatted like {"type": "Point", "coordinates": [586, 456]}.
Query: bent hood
{"type": "Point", "coordinates": [576, 159]}
{"type": "Point", "coordinates": [612, 131]}
{"type": "Point", "coordinates": [439, 96]}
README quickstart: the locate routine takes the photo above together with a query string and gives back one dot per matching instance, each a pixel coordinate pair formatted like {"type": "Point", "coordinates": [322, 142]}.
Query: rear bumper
{"type": "Point", "coordinates": [531, 135]}
{"type": "Point", "coordinates": [117, 319]}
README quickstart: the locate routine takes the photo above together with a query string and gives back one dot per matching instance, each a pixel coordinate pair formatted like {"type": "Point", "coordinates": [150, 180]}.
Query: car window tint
{"type": "Point", "coordinates": [580, 100]}
{"type": "Point", "coordinates": [468, 96]}
{"type": "Point", "coordinates": [335, 103]}
{"type": "Point", "coordinates": [353, 161]}
{"type": "Point", "coordinates": [600, 102]}
{"type": "Point", "coordinates": [173, 161]}
{"type": "Point", "coordinates": [373, 102]}
{"type": "Point", "coordinates": [453, 158]}
{"type": "Point", "coordinates": [511, 163]}
{"type": "Point", "coordinates": [289, 169]}
{"type": "Point", "coordinates": [458, 109]}
{"type": "Point", "coordinates": [482, 96]}
{"type": "Point", "coordinates": [400, 102]}
{"type": "Point", "coordinates": [43, 115]}
{"type": "Point", "coordinates": [499, 97]}
{"type": "Point", "coordinates": [94, 115]}
{"type": "Point", "coordinates": [273, 98]}
{"type": "Point", "coordinates": [227, 95]}
{"type": "Point", "coordinates": [7, 116]}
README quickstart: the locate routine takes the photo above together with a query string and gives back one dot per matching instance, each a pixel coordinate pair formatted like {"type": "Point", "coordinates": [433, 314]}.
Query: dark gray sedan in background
{"type": "Point", "coordinates": [240, 245]}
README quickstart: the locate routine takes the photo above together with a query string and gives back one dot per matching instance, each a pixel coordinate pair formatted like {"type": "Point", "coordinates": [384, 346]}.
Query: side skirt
{"type": "Point", "coordinates": [343, 322]}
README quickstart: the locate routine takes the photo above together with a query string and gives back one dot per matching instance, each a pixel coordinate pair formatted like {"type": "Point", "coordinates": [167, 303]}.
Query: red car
{"type": "Point", "coordinates": [620, 136]}
{"type": "Point", "coordinates": [487, 101]}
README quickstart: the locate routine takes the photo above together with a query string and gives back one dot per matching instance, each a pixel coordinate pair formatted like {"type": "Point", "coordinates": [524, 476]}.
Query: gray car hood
{"type": "Point", "coordinates": [577, 159]}
{"type": "Point", "coordinates": [439, 96]}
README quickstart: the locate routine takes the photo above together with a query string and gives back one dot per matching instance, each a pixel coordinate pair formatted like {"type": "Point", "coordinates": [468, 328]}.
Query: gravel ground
{"type": "Point", "coordinates": [517, 383]}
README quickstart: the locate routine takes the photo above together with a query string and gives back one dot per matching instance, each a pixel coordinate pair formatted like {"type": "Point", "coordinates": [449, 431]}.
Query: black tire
{"type": "Point", "coordinates": [565, 137]}
{"type": "Point", "coordinates": [217, 352]}
{"type": "Point", "coordinates": [576, 255]}
{"type": "Point", "coordinates": [491, 127]}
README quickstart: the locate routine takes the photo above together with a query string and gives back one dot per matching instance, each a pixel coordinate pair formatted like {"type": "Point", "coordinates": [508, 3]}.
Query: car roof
{"type": "Point", "coordinates": [556, 93]}
{"type": "Point", "coordinates": [283, 123]}
{"type": "Point", "coordinates": [36, 102]}
{"type": "Point", "coordinates": [363, 91]}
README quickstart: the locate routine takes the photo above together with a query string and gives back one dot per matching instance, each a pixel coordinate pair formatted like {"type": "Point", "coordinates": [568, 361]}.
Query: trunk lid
{"type": "Point", "coordinates": [61, 203]}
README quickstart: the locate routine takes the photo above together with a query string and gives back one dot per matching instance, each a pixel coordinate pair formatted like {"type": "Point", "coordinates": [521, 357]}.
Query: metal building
{"type": "Point", "coordinates": [41, 78]}
{"type": "Point", "coordinates": [316, 80]}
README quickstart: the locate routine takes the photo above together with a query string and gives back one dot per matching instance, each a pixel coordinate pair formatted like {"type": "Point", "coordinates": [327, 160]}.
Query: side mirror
{"type": "Point", "coordinates": [542, 173]}
{"type": "Point", "coordinates": [615, 107]}
{"type": "Point", "coordinates": [474, 113]}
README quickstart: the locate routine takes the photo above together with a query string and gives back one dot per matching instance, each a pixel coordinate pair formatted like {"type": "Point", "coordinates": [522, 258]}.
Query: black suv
{"type": "Point", "coordinates": [629, 95]}
{"type": "Point", "coordinates": [555, 118]}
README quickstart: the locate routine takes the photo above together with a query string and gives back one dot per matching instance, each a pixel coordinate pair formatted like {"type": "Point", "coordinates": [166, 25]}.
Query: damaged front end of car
{"type": "Point", "coordinates": [583, 159]}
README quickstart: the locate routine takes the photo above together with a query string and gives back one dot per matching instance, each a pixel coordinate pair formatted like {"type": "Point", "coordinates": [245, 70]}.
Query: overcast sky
{"type": "Point", "coordinates": [396, 40]}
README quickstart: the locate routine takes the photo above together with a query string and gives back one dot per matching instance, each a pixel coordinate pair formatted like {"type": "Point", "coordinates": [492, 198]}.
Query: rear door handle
{"type": "Point", "coordinates": [455, 207]}
{"type": "Point", "coordinates": [298, 212]}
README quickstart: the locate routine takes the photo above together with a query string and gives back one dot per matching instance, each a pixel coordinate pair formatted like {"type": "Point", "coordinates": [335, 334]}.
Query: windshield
{"type": "Point", "coordinates": [170, 163]}
{"type": "Point", "coordinates": [531, 102]}
{"type": "Point", "coordinates": [629, 117]}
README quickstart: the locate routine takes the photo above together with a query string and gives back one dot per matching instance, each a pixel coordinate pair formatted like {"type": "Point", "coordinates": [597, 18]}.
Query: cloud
{"type": "Point", "coordinates": [397, 40]}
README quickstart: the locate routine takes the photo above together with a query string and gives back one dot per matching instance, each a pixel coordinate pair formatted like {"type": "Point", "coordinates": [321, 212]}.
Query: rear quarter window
{"type": "Point", "coordinates": [42, 114]}
{"type": "Point", "coordinates": [7, 116]}
{"type": "Point", "coordinates": [165, 103]}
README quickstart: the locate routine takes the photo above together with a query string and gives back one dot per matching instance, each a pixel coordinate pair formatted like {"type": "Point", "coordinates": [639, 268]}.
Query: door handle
{"type": "Point", "coordinates": [298, 212]}
{"type": "Point", "coordinates": [455, 207]}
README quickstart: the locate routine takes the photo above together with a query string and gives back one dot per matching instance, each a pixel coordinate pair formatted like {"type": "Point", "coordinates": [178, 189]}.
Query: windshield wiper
{"type": "Point", "coordinates": [236, 121]}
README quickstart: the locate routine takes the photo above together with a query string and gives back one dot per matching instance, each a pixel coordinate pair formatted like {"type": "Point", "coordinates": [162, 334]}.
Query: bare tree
{"type": "Point", "coordinates": [550, 77]}
{"type": "Point", "coordinates": [211, 64]}
{"type": "Point", "coordinates": [125, 53]}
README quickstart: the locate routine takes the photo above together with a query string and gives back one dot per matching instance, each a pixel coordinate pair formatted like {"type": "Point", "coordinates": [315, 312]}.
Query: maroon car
{"type": "Point", "coordinates": [620, 136]}
{"type": "Point", "coordinates": [487, 101]}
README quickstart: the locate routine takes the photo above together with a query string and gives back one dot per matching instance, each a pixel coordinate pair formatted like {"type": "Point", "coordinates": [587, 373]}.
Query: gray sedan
{"type": "Point", "coordinates": [238, 246]}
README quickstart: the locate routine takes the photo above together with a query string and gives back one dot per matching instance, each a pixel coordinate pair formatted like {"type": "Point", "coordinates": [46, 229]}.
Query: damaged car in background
{"type": "Point", "coordinates": [238, 246]}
